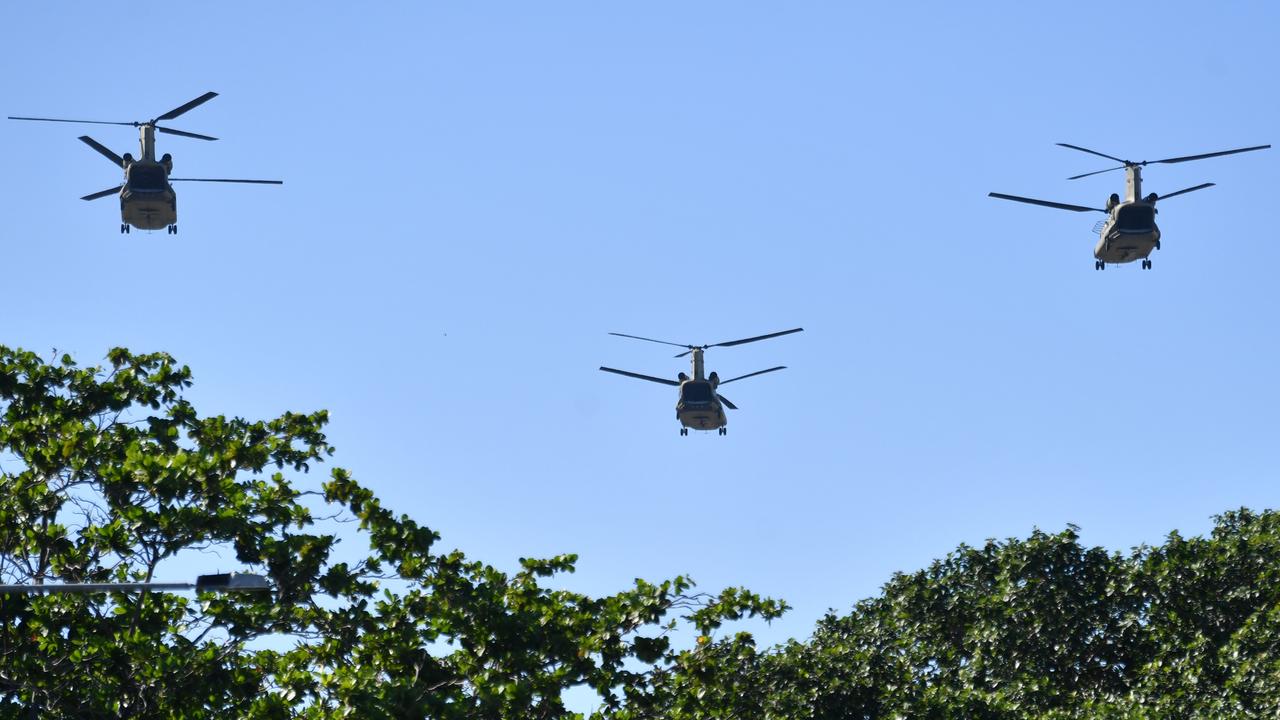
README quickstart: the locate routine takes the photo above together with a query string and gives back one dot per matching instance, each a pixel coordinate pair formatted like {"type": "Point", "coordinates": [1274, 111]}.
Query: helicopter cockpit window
{"type": "Point", "coordinates": [695, 392]}
{"type": "Point", "coordinates": [1136, 218]}
{"type": "Point", "coordinates": [146, 179]}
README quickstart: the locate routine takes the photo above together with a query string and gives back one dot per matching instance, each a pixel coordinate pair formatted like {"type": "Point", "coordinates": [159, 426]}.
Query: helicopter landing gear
{"type": "Point", "coordinates": [1146, 264]}
{"type": "Point", "coordinates": [684, 431]}
{"type": "Point", "coordinates": [724, 431]}
{"type": "Point", "coordinates": [1099, 265]}
{"type": "Point", "coordinates": [1157, 244]}
{"type": "Point", "coordinates": [124, 228]}
{"type": "Point", "coordinates": [173, 229]}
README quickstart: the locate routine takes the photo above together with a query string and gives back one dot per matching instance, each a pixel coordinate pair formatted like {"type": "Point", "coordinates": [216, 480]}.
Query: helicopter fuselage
{"type": "Point", "coordinates": [698, 407]}
{"type": "Point", "coordinates": [1128, 234]}
{"type": "Point", "coordinates": [147, 200]}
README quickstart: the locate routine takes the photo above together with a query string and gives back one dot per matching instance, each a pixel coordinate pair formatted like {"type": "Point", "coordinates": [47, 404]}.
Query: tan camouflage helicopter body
{"type": "Point", "coordinates": [147, 199]}
{"type": "Point", "coordinates": [1129, 233]}
{"type": "Point", "coordinates": [701, 406]}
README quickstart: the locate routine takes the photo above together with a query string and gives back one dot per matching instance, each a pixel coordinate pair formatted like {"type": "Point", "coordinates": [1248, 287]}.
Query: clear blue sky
{"type": "Point", "coordinates": [476, 193]}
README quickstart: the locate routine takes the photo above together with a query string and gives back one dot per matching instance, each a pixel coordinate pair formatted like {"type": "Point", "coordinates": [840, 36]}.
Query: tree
{"type": "Point", "coordinates": [1034, 628]}
{"type": "Point", "coordinates": [109, 474]}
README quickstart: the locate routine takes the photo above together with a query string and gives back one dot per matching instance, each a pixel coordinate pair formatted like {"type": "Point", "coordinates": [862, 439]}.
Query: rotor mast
{"type": "Point", "coordinates": [147, 133]}
{"type": "Point", "coordinates": [697, 364]}
{"type": "Point", "coordinates": [1133, 182]}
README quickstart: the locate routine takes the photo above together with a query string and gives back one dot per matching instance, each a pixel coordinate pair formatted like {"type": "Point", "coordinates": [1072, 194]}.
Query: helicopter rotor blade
{"type": "Point", "coordinates": [726, 402]}
{"type": "Point", "coordinates": [1097, 172]}
{"type": "Point", "coordinates": [638, 376]}
{"type": "Point", "coordinates": [87, 122]}
{"type": "Point", "coordinates": [1183, 191]}
{"type": "Point", "coordinates": [103, 193]}
{"type": "Point", "coordinates": [744, 341]}
{"type": "Point", "coordinates": [103, 150]}
{"type": "Point", "coordinates": [1207, 155]}
{"type": "Point", "coordinates": [187, 106]}
{"type": "Point", "coordinates": [758, 372]}
{"type": "Point", "coordinates": [1123, 163]}
{"type": "Point", "coordinates": [1093, 152]}
{"type": "Point", "coordinates": [228, 180]}
{"type": "Point", "coordinates": [663, 342]}
{"type": "Point", "coordinates": [1046, 203]}
{"type": "Point", "coordinates": [184, 133]}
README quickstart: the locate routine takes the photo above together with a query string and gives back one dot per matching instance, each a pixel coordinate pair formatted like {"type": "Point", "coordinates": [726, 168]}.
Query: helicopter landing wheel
{"type": "Point", "coordinates": [684, 431]}
{"type": "Point", "coordinates": [724, 431]}
{"type": "Point", "coordinates": [1099, 265]}
{"type": "Point", "coordinates": [1146, 264]}
{"type": "Point", "coordinates": [124, 228]}
{"type": "Point", "coordinates": [1157, 244]}
{"type": "Point", "coordinates": [173, 229]}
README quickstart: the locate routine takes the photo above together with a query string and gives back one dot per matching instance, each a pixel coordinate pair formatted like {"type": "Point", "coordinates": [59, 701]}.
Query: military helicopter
{"type": "Point", "coordinates": [700, 406]}
{"type": "Point", "coordinates": [1129, 233]}
{"type": "Point", "coordinates": [147, 200]}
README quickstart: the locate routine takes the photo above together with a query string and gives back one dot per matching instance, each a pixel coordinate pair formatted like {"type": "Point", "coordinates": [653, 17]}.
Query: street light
{"type": "Point", "coordinates": [221, 582]}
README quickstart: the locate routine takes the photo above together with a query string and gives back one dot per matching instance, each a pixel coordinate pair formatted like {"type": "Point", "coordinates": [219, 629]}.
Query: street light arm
{"type": "Point", "coordinates": [92, 588]}
{"type": "Point", "coordinates": [221, 582]}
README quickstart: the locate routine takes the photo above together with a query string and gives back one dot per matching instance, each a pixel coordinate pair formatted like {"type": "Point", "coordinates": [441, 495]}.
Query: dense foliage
{"type": "Point", "coordinates": [109, 474]}
{"type": "Point", "coordinates": [1034, 628]}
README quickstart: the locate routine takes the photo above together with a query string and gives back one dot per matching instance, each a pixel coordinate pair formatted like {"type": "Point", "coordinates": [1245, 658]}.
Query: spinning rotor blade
{"type": "Point", "coordinates": [103, 149]}
{"type": "Point", "coordinates": [184, 133]}
{"type": "Point", "coordinates": [1123, 163]}
{"type": "Point", "coordinates": [1180, 192]}
{"type": "Point", "coordinates": [188, 106]}
{"type": "Point", "coordinates": [726, 402]}
{"type": "Point", "coordinates": [103, 193]}
{"type": "Point", "coordinates": [1096, 172]}
{"type": "Point", "coordinates": [1046, 203]}
{"type": "Point", "coordinates": [1144, 163]}
{"type": "Point", "coordinates": [758, 372]}
{"type": "Point", "coordinates": [256, 182]}
{"type": "Point", "coordinates": [731, 343]}
{"type": "Point", "coordinates": [638, 376]}
{"type": "Point", "coordinates": [1092, 152]}
{"type": "Point", "coordinates": [637, 337]}
{"type": "Point", "coordinates": [87, 122]}
{"type": "Point", "coordinates": [1207, 155]}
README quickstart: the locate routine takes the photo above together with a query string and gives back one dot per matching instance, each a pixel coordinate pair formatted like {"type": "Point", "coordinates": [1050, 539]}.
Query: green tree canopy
{"type": "Point", "coordinates": [1034, 628]}
{"type": "Point", "coordinates": [109, 474]}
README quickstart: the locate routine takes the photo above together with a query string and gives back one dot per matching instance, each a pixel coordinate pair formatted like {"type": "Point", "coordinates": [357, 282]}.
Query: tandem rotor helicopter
{"type": "Point", "coordinates": [1129, 233]}
{"type": "Point", "coordinates": [147, 200]}
{"type": "Point", "coordinates": [700, 406]}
